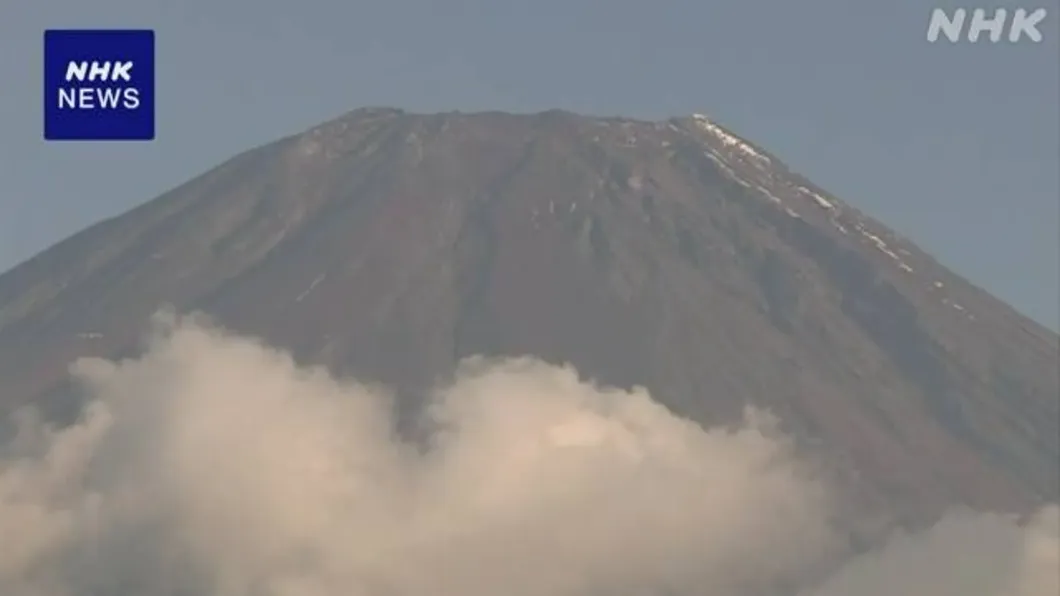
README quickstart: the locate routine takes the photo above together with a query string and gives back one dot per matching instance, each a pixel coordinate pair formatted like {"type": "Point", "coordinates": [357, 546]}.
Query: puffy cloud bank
{"type": "Point", "coordinates": [213, 466]}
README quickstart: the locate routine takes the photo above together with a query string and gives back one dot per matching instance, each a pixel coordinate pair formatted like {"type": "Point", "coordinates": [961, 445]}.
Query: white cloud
{"type": "Point", "coordinates": [214, 466]}
{"type": "Point", "coordinates": [965, 554]}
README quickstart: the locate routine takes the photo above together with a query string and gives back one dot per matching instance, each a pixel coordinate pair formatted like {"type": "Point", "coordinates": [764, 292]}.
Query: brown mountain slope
{"type": "Point", "coordinates": [669, 254]}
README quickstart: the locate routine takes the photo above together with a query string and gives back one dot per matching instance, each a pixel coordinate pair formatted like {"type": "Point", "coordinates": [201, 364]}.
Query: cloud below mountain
{"type": "Point", "coordinates": [214, 466]}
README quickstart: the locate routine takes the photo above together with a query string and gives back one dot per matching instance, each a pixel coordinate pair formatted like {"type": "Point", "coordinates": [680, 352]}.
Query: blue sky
{"type": "Point", "coordinates": [954, 146]}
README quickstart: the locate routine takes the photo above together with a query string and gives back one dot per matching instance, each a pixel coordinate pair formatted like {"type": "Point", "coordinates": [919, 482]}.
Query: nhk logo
{"type": "Point", "coordinates": [99, 85]}
{"type": "Point", "coordinates": [1023, 24]}
{"type": "Point", "coordinates": [84, 97]}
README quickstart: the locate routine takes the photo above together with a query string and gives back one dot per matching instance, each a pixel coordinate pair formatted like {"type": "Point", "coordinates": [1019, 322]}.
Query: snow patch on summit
{"type": "Point", "coordinates": [821, 201]}
{"type": "Point", "coordinates": [311, 287]}
{"type": "Point", "coordinates": [728, 139]}
{"type": "Point", "coordinates": [782, 190]}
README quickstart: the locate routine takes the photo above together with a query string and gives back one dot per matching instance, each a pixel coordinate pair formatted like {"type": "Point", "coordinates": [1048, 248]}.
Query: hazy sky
{"type": "Point", "coordinates": [955, 146]}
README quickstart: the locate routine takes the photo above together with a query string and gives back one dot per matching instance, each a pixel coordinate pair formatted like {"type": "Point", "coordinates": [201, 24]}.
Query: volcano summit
{"type": "Point", "coordinates": [671, 255]}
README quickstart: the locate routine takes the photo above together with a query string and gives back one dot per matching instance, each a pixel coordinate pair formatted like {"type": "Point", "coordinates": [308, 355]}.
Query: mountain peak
{"type": "Point", "coordinates": [674, 255]}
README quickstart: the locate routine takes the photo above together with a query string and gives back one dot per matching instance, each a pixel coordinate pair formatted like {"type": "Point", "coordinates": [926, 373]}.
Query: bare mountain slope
{"type": "Point", "coordinates": [669, 254]}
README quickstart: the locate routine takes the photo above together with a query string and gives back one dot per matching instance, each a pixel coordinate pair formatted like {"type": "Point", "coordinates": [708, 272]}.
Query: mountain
{"type": "Point", "coordinates": [673, 255]}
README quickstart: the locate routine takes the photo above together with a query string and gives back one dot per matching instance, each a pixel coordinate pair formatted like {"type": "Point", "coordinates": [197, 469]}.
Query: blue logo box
{"type": "Point", "coordinates": [99, 85]}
